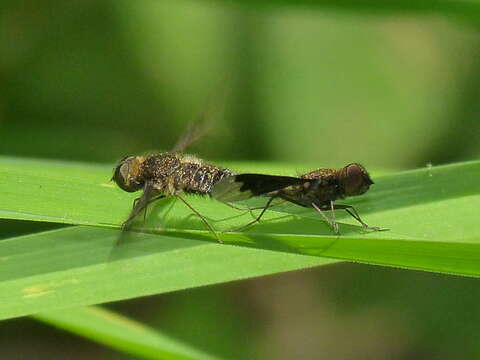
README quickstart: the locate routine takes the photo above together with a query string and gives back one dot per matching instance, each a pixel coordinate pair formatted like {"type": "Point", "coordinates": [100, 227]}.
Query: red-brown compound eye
{"type": "Point", "coordinates": [355, 179]}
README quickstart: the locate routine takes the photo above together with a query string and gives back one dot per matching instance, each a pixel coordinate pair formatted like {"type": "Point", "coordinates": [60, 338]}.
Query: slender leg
{"type": "Point", "coordinates": [267, 205]}
{"type": "Point", "coordinates": [149, 202]}
{"type": "Point", "coordinates": [330, 222]}
{"type": "Point", "coordinates": [201, 217]}
{"type": "Point", "coordinates": [351, 210]}
{"type": "Point", "coordinates": [248, 208]}
{"type": "Point", "coordinates": [139, 204]}
{"type": "Point", "coordinates": [334, 221]}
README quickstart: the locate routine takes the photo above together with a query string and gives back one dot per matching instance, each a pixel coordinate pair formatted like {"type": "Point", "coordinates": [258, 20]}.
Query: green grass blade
{"type": "Point", "coordinates": [434, 204]}
{"type": "Point", "coordinates": [73, 193]}
{"type": "Point", "coordinates": [72, 267]}
{"type": "Point", "coordinates": [121, 333]}
{"type": "Point", "coordinates": [431, 213]}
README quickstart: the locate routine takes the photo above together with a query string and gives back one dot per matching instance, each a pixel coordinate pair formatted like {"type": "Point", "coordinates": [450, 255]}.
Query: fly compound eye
{"type": "Point", "coordinates": [127, 174]}
{"type": "Point", "coordinates": [355, 179]}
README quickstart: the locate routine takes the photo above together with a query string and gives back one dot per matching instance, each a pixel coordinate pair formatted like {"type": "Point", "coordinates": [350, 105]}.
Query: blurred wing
{"type": "Point", "coordinates": [195, 131]}
{"type": "Point", "coordinates": [204, 123]}
{"type": "Point", "coordinates": [140, 204]}
{"type": "Point", "coordinates": [245, 186]}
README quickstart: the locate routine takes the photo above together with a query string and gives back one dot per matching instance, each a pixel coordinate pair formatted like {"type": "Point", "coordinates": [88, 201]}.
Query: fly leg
{"type": "Point", "coordinates": [351, 210]}
{"type": "Point", "coordinates": [201, 217]}
{"type": "Point", "coordinates": [139, 204]}
{"type": "Point", "coordinates": [331, 222]}
{"type": "Point", "coordinates": [257, 219]}
{"type": "Point", "coordinates": [149, 202]}
{"type": "Point", "coordinates": [145, 207]}
{"type": "Point", "coordinates": [250, 209]}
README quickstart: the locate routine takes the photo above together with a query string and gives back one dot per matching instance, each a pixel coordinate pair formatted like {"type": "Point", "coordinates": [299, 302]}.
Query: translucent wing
{"type": "Point", "coordinates": [140, 204]}
{"type": "Point", "coordinates": [203, 124]}
{"type": "Point", "coordinates": [194, 132]}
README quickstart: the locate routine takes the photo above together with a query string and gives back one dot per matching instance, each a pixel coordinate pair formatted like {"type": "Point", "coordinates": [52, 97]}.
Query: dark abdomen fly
{"type": "Point", "coordinates": [318, 189]}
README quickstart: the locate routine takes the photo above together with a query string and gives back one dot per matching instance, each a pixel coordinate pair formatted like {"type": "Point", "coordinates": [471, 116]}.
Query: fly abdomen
{"type": "Point", "coordinates": [205, 177]}
{"type": "Point", "coordinates": [198, 178]}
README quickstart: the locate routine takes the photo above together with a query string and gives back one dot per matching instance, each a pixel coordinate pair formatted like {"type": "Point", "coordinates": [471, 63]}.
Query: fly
{"type": "Point", "coordinates": [171, 173]}
{"type": "Point", "coordinates": [318, 189]}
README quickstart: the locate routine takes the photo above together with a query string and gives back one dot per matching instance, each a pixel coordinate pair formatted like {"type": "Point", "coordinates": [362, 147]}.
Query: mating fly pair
{"type": "Point", "coordinates": [174, 173]}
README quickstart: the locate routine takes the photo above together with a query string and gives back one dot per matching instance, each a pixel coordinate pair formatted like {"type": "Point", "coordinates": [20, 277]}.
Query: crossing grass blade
{"type": "Point", "coordinates": [121, 333]}
{"type": "Point", "coordinates": [73, 267]}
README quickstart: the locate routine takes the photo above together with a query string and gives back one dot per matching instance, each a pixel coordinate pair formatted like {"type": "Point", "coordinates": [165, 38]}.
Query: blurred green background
{"type": "Point", "coordinates": [93, 81]}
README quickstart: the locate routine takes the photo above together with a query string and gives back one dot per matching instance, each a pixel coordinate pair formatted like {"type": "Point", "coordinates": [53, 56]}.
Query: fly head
{"type": "Point", "coordinates": [128, 174]}
{"type": "Point", "coordinates": [354, 180]}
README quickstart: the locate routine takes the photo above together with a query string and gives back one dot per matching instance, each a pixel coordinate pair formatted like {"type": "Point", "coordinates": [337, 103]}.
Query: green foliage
{"type": "Point", "coordinates": [99, 80]}
{"type": "Point", "coordinates": [446, 7]}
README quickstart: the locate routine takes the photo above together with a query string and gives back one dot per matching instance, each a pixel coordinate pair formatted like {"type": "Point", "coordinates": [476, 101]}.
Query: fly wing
{"type": "Point", "coordinates": [140, 204]}
{"type": "Point", "coordinates": [245, 186]}
{"type": "Point", "coordinates": [195, 131]}
{"type": "Point", "coordinates": [201, 126]}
